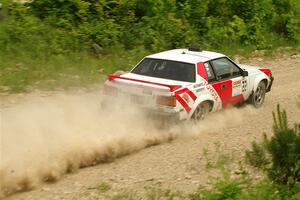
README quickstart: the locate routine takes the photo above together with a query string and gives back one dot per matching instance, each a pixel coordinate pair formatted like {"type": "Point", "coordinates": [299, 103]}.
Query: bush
{"type": "Point", "coordinates": [61, 27]}
{"type": "Point", "coordinates": [279, 155]}
{"type": "Point", "coordinates": [284, 148]}
{"type": "Point", "coordinates": [224, 188]}
{"type": "Point", "coordinates": [257, 156]}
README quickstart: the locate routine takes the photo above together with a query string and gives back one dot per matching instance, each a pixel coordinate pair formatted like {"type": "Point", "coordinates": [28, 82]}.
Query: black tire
{"type": "Point", "coordinates": [258, 96]}
{"type": "Point", "coordinates": [201, 111]}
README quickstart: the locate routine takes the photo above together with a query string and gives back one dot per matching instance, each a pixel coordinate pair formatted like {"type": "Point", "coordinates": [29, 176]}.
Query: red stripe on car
{"type": "Point", "coordinates": [201, 71]}
{"type": "Point", "coordinates": [183, 103]}
{"type": "Point", "coordinates": [224, 91]}
{"type": "Point", "coordinates": [192, 95]}
{"type": "Point", "coordinates": [171, 87]}
{"type": "Point", "coordinates": [189, 92]}
{"type": "Point", "coordinates": [266, 71]}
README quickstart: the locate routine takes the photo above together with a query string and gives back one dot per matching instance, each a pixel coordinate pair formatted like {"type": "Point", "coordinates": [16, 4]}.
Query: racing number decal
{"type": "Point", "coordinates": [244, 85]}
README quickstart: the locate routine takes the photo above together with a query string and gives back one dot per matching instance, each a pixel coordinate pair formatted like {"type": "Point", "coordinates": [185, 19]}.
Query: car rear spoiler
{"type": "Point", "coordinates": [171, 87]}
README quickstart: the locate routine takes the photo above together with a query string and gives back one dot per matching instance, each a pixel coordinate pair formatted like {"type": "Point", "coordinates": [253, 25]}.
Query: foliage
{"type": "Point", "coordinates": [284, 148]}
{"type": "Point", "coordinates": [59, 27]}
{"type": "Point", "coordinates": [39, 32]}
{"type": "Point", "coordinates": [282, 161]}
{"type": "Point", "coordinates": [257, 155]}
{"type": "Point", "coordinates": [216, 158]}
{"type": "Point", "coordinates": [223, 188]}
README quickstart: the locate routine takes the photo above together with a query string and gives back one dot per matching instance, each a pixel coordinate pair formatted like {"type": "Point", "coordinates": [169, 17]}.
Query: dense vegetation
{"type": "Point", "coordinates": [47, 30]}
{"type": "Point", "coordinates": [56, 27]}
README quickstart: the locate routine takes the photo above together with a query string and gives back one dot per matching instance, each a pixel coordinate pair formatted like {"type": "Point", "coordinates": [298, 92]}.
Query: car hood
{"type": "Point", "coordinates": [250, 69]}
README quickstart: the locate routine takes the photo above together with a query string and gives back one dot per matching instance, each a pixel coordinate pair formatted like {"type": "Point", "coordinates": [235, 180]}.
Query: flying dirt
{"type": "Point", "coordinates": [48, 137]}
{"type": "Point", "coordinates": [44, 137]}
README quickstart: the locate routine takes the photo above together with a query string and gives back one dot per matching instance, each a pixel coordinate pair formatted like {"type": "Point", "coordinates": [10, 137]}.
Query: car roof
{"type": "Point", "coordinates": [184, 55]}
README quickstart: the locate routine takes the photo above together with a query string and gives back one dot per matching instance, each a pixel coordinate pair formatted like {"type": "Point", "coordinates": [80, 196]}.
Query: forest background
{"type": "Point", "coordinates": [48, 44]}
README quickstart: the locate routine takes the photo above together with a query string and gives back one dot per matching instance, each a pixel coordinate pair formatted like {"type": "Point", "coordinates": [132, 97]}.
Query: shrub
{"type": "Point", "coordinates": [284, 148]}
{"type": "Point", "coordinates": [223, 188]}
{"type": "Point", "coordinates": [257, 156]}
{"type": "Point", "coordinates": [280, 154]}
{"type": "Point", "coordinates": [61, 27]}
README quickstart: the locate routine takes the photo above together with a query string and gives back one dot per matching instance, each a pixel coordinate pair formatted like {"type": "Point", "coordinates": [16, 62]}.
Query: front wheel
{"type": "Point", "coordinates": [258, 97]}
{"type": "Point", "coordinates": [201, 111]}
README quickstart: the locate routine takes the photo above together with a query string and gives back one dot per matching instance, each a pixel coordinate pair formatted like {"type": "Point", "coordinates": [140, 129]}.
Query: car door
{"type": "Point", "coordinates": [228, 82]}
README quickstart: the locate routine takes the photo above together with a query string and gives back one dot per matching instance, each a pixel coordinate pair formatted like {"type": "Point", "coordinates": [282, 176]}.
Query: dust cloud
{"type": "Point", "coordinates": [44, 138]}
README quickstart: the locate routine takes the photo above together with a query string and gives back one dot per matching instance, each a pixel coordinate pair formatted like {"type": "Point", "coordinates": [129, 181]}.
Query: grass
{"type": "Point", "coordinates": [125, 196]}
{"type": "Point", "coordinates": [216, 158]}
{"type": "Point", "coordinates": [223, 188]}
{"type": "Point", "coordinates": [156, 193]}
{"type": "Point", "coordinates": [104, 187]}
{"type": "Point", "coordinates": [24, 73]}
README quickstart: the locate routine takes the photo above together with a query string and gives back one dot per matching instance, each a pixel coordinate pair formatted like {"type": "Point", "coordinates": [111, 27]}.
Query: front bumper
{"type": "Point", "coordinates": [271, 83]}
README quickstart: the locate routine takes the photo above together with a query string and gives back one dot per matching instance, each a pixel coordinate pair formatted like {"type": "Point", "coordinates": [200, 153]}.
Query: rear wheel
{"type": "Point", "coordinates": [201, 111]}
{"type": "Point", "coordinates": [258, 97]}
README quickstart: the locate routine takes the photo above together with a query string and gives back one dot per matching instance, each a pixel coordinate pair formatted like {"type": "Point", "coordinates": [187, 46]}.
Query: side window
{"type": "Point", "coordinates": [209, 72]}
{"type": "Point", "coordinates": [224, 68]}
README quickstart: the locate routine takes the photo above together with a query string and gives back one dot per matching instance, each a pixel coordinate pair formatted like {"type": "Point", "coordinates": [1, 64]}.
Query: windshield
{"type": "Point", "coordinates": [166, 69]}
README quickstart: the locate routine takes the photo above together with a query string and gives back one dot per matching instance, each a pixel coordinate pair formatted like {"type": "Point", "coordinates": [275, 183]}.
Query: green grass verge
{"type": "Point", "coordinates": [23, 73]}
{"type": "Point", "coordinates": [223, 188]}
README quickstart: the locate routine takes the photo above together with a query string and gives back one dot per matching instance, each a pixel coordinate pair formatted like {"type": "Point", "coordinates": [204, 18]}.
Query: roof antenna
{"type": "Point", "coordinates": [195, 47]}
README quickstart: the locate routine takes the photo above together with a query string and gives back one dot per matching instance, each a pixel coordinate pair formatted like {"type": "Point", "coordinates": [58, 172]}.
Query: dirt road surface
{"type": "Point", "coordinates": [180, 163]}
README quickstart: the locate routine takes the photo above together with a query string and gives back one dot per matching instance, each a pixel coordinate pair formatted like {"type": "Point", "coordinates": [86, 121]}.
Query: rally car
{"type": "Point", "coordinates": [188, 84]}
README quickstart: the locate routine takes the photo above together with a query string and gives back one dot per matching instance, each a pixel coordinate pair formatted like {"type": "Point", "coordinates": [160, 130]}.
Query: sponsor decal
{"type": "Point", "coordinates": [236, 88]}
{"type": "Point", "coordinates": [212, 91]}
{"type": "Point", "coordinates": [200, 89]}
{"type": "Point", "coordinates": [198, 85]}
{"type": "Point", "coordinates": [236, 83]}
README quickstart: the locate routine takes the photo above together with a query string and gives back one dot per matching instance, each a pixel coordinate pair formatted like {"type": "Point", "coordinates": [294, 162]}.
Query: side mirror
{"type": "Point", "coordinates": [244, 73]}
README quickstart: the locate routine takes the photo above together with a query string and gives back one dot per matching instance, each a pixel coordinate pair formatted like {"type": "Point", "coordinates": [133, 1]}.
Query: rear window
{"type": "Point", "coordinates": [166, 69]}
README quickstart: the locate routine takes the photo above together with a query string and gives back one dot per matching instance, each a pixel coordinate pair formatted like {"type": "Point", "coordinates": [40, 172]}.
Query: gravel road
{"type": "Point", "coordinates": [182, 163]}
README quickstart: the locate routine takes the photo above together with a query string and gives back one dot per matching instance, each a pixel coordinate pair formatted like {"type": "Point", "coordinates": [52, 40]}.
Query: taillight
{"type": "Point", "coordinates": [166, 100]}
{"type": "Point", "coordinates": [109, 90]}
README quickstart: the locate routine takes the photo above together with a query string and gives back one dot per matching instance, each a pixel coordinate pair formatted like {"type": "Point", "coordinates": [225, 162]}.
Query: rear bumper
{"type": "Point", "coordinates": [112, 105]}
{"type": "Point", "coordinates": [156, 114]}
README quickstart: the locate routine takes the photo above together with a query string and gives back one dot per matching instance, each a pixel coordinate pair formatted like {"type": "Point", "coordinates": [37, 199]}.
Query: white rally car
{"type": "Point", "coordinates": [188, 84]}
